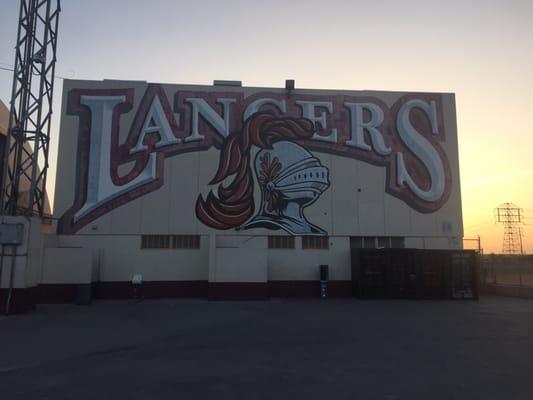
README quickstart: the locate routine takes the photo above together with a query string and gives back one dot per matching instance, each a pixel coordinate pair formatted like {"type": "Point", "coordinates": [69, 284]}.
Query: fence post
{"type": "Point", "coordinates": [520, 272]}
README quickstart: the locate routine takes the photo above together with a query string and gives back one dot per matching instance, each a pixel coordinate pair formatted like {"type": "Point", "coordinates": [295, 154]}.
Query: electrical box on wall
{"type": "Point", "coordinates": [11, 234]}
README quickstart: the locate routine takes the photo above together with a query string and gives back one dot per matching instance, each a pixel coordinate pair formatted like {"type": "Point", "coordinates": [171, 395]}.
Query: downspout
{"type": "Point", "coordinates": [11, 279]}
{"type": "Point", "coordinates": [1, 264]}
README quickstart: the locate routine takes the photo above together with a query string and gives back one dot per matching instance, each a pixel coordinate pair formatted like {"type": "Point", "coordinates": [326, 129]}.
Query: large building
{"type": "Point", "coordinates": [226, 191]}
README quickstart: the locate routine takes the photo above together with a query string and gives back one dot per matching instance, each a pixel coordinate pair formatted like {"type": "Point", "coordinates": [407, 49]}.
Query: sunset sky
{"type": "Point", "coordinates": [480, 50]}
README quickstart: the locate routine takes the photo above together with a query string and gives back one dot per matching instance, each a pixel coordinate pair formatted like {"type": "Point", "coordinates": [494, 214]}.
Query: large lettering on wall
{"type": "Point", "coordinates": [287, 131]}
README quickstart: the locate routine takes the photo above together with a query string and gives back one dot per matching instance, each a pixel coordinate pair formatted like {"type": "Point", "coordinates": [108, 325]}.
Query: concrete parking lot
{"type": "Point", "coordinates": [277, 349]}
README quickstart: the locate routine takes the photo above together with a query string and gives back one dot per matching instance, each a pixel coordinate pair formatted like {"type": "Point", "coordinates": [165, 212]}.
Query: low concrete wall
{"type": "Point", "coordinates": [240, 268]}
{"type": "Point", "coordinates": [67, 265]}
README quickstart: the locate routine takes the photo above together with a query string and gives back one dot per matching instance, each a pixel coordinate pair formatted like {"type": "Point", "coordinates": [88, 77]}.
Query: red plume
{"type": "Point", "coordinates": [235, 203]}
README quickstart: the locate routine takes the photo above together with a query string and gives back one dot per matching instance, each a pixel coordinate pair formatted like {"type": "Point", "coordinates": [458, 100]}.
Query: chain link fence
{"type": "Point", "coordinates": [507, 270]}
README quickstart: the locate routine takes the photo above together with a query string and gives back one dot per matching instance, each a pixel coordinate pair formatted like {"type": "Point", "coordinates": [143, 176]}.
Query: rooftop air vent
{"type": "Point", "coordinates": [227, 83]}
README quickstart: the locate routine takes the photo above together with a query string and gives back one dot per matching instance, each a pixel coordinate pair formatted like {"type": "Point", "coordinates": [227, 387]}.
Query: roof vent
{"type": "Point", "coordinates": [227, 83]}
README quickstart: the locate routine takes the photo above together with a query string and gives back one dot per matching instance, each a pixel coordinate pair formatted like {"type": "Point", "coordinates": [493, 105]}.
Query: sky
{"type": "Point", "coordinates": [480, 50]}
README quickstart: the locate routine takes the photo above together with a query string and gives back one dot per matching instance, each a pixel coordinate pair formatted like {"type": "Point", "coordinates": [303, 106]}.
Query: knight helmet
{"type": "Point", "coordinates": [291, 178]}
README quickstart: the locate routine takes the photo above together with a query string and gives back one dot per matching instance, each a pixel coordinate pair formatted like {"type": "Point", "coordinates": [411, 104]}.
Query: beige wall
{"type": "Point", "coordinates": [4, 118]}
{"type": "Point", "coordinates": [355, 204]}
{"type": "Point", "coordinates": [224, 258]}
{"type": "Point", "coordinates": [28, 255]}
{"type": "Point", "coordinates": [67, 265]}
{"type": "Point", "coordinates": [341, 210]}
{"type": "Point", "coordinates": [24, 182]}
{"type": "Point", "coordinates": [118, 258]}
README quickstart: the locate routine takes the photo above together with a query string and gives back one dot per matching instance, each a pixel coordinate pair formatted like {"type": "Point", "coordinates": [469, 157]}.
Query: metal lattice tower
{"type": "Point", "coordinates": [510, 216]}
{"type": "Point", "coordinates": [31, 108]}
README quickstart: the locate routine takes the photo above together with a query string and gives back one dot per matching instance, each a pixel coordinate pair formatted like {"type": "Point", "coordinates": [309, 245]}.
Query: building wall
{"type": "Point", "coordinates": [361, 200]}
{"type": "Point", "coordinates": [24, 181]}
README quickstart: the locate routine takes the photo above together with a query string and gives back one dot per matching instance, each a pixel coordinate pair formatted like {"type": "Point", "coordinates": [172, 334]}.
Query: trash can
{"type": "Point", "coordinates": [137, 286]}
{"type": "Point", "coordinates": [324, 272]}
{"type": "Point", "coordinates": [83, 294]}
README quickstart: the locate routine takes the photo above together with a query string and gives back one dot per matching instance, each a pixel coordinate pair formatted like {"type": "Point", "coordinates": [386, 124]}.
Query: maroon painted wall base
{"type": "Point", "coordinates": [309, 288]}
{"type": "Point", "coordinates": [150, 290]}
{"type": "Point", "coordinates": [237, 291]}
{"type": "Point", "coordinates": [24, 300]}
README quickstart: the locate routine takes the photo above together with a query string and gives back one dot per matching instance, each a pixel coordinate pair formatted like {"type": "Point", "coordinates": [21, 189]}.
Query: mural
{"type": "Point", "coordinates": [289, 176]}
{"type": "Point", "coordinates": [291, 179]}
{"type": "Point", "coordinates": [285, 132]}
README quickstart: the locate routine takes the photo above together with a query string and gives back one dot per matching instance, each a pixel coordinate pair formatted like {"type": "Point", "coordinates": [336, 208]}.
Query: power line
{"type": "Point", "coordinates": [477, 230]}
{"type": "Point", "coordinates": [12, 70]}
{"type": "Point", "coordinates": [480, 224]}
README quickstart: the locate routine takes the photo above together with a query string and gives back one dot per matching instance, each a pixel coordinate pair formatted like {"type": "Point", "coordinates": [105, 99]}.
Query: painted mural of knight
{"type": "Point", "coordinates": [290, 178]}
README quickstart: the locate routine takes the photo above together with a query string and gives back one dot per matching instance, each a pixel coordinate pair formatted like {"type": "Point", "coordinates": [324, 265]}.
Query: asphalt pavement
{"type": "Point", "coordinates": [275, 349]}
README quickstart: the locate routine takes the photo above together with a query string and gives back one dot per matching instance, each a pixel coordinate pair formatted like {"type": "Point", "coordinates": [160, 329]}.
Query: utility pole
{"type": "Point", "coordinates": [23, 180]}
{"type": "Point", "coordinates": [510, 216]}
{"type": "Point", "coordinates": [31, 109]}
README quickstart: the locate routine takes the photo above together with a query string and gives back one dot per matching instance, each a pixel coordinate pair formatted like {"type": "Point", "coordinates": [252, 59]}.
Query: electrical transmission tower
{"type": "Point", "coordinates": [31, 109]}
{"type": "Point", "coordinates": [510, 216]}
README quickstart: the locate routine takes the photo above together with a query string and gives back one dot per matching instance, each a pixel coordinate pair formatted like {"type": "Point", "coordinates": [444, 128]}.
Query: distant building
{"type": "Point", "coordinates": [24, 183]}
